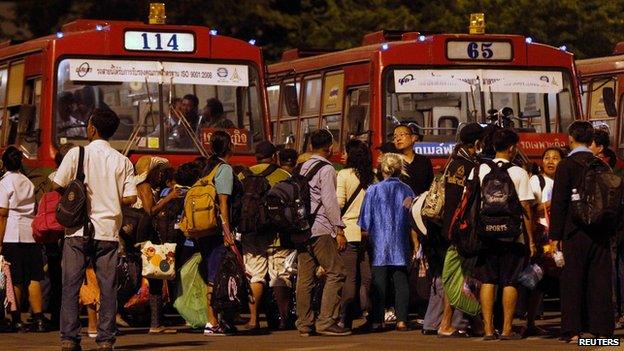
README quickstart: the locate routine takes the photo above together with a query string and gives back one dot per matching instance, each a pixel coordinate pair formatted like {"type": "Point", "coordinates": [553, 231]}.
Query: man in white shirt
{"type": "Point", "coordinates": [109, 179]}
{"type": "Point", "coordinates": [502, 257]}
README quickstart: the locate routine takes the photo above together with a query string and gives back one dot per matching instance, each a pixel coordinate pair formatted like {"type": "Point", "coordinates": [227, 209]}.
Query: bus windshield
{"type": "Point", "coordinates": [137, 91]}
{"type": "Point", "coordinates": [439, 100]}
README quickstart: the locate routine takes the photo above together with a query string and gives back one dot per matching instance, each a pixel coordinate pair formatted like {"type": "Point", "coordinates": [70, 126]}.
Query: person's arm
{"type": "Point", "coordinates": [224, 182]}
{"type": "Point", "coordinates": [129, 185]}
{"type": "Point", "coordinates": [224, 208]}
{"type": "Point", "coordinates": [527, 207]}
{"type": "Point", "coordinates": [329, 200]}
{"type": "Point", "coordinates": [147, 199]}
{"type": "Point", "coordinates": [4, 214]}
{"type": "Point", "coordinates": [415, 242]}
{"type": "Point", "coordinates": [67, 170]}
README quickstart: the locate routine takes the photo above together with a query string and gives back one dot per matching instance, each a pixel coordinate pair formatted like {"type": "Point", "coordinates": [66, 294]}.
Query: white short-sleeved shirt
{"type": "Point", "coordinates": [542, 195]}
{"type": "Point", "coordinates": [518, 175]}
{"type": "Point", "coordinates": [109, 177]}
{"type": "Point", "coordinates": [17, 193]}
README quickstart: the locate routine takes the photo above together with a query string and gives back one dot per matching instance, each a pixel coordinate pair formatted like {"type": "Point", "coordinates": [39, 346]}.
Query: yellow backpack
{"type": "Point", "coordinates": [201, 208]}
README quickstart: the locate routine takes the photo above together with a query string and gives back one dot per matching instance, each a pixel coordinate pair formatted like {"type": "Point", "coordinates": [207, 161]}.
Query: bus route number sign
{"type": "Point", "coordinates": [159, 41]}
{"type": "Point", "coordinates": [479, 50]}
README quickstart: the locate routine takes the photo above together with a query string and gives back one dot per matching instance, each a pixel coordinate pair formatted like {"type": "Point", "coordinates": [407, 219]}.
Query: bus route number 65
{"type": "Point", "coordinates": [475, 52]}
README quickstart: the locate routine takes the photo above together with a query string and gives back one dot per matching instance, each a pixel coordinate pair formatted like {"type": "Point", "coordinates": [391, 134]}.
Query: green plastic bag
{"type": "Point", "coordinates": [457, 285]}
{"type": "Point", "coordinates": [191, 301]}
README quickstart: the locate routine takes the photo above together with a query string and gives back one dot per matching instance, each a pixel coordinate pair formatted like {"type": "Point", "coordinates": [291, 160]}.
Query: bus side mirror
{"type": "Point", "coordinates": [608, 99]}
{"type": "Point", "coordinates": [291, 100]}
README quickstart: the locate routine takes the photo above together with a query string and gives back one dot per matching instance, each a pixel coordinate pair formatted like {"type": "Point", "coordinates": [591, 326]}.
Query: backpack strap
{"type": "Point", "coordinates": [80, 170]}
{"type": "Point", "coordinates": [268, 171]}
{"type": "Point", "coordinates": [209, 178]}
{"type": "Point", "coordinates": [309, 175]}
{"type": "Point", "coordinates": [351, 199]}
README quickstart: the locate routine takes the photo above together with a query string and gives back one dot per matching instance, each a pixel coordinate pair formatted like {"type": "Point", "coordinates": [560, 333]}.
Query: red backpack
{"type": "Point", "coordinates": [46, 229]}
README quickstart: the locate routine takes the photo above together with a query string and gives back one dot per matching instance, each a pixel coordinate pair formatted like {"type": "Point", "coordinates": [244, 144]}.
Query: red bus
{"type": "Point", "coordinates": [50, 85]}
{"type": "Point", "coordinates": [438, 82]}
{"type": "Point", "coordinates": [602, 81]}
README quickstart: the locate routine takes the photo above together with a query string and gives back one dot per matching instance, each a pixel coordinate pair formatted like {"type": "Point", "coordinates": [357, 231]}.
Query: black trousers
{"type": "Point", "coordinates": [586, 283]}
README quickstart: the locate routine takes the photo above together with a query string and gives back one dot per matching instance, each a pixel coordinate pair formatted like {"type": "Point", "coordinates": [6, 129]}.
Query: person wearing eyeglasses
{"type": "Point", "coordinates": [418, 169]}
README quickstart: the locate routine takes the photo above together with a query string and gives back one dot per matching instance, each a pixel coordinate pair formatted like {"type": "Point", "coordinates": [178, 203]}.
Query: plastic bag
{"type": "Point", "coordinates": [191, 302]}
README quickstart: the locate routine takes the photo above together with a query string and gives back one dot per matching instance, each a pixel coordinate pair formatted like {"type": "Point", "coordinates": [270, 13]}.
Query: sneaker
{"type": "Point", "coordinates": [335, 330]}
{"type": "Point", "coordinates": [40, 325]}
{"type": "Point", "coordinates": [389, 316]}
{"type": "Point", "coordinates": [67, 345]}
{"type": "Point", "coordinates": [92, 333]}
{"type": "Point", "coordinates": [209, 330]}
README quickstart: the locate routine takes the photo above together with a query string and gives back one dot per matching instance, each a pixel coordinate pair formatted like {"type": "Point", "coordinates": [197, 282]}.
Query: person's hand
{"type": "Point", "coordinates": [175, 193]}
{"type": "Point", "coordinates": [554, 246]}
{"type": "Point", "coordinates": [341, 240]}
{"type": "Point", "coordinates": [228, 239]}
{"type": "Point", "coordinates": [532, 249]}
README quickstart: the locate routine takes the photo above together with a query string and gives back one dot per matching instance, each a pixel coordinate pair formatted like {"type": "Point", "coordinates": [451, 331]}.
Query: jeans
{"type": "Point", "coordinates": [357, 282]}
{"type": "Point", "coordinates": [320, 251]}
{"type": "Point", "coordinates": [381, 274]}
{"type": "Point", "coordinates": [76, 250]}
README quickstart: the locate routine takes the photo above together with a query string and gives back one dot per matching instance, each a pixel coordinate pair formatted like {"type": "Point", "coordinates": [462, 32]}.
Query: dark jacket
{"type": "Point", "coordinates": [568, 177]}
{"type": "Point", "coordinates": [419, 174]}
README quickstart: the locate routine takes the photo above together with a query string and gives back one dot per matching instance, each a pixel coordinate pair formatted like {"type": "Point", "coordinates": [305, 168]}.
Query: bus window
{"type": "Point", "coordinates": [621, 117]}
{"type": "Point", "coordinates": [138, 102]}
{"type": "Point", "coordinates": [3, 89]}
{"type": "Point", "coordinates": [438, 99]}
{"type": "Point", "coordinates": [15, 90]}
{"type": "Point", "coordinates": [290, 99]}
{"type": "Point", "coordinates": [273, 93]}
{"type": "Point", "coordinates": [307, 126]}
{"type": "Point", "coordinates": [312, 97]}
{"type": "Point", "coordinates": [287, 133]}
{"type": "Point", "coordinates": [28, 118]}
{"type": "Point", "coordinates": [597, 112]}
{"type": "Point", "coordinates": [358, 105]}
{"type": "Point", "coordinates": [333, 92]}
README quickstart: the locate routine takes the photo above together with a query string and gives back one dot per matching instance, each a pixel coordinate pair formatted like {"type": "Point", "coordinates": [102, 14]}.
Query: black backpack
{"type": "Point", "coordinates": [500, 214]}
{"type": "Point", "coordinates": [254, 217]}
{"type": "Point", "coordinates": [598, 198]}
{"type": "Point", "coordinates": [71, 211]}
{"type": "Point", "coordinates": [166, 220]}
{"type": "Point", "coordinates": [289, 206]}
{"type": "Point", "coordinates": [231, 287]}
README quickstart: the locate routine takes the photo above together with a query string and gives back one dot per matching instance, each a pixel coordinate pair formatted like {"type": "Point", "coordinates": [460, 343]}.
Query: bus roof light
{"type": "Point", "coordinates": [385, 46]}
{"type": "Point", "coordinates": [98, 27]}
{"type": "Point", "coordinates": [528, 40]}
{"type": "Point", "coordinates": [563, 48]}
{"type": "Point", "coordinates": [213, 32]}
{"type": "Point", "coordinates": [157, 13]}
{"type": "Point", "coordinates": [252, 41]}
{"type": "Point", "coordinates": [422, 38]}
{"type": "Point", "coordinates": [477, 23]}
{"type": "Point", "coordinates": [59, 34]}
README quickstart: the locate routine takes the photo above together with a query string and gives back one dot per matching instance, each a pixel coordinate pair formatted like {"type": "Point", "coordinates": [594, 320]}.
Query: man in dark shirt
{"type": "Point", "coordinates": [586, 296]}
{"type": "Point", "coordinates": [418, 168]}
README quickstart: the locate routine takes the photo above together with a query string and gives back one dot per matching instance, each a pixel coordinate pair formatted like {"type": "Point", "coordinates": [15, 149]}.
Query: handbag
{"type": "Point", "coordinates": [136, 225]}
{"type": "Point", "coordinates": [158, 260]}
{"type": "Point", "coordinates": [433, 207]}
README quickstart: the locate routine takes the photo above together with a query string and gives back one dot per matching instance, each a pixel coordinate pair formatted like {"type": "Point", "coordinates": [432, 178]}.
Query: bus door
{"type": "Point", "coordinates": [28, 131]}
{"type": "Point", "coordinates": [357, 123]}
{"type": "Point", "coordinates": [601, 111]}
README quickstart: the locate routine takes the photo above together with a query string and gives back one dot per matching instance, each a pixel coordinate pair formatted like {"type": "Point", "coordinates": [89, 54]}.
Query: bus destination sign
{"type": "Point", "coordinates": [159, 41]}
{"type": "Point", "coordinates": [479, 50]}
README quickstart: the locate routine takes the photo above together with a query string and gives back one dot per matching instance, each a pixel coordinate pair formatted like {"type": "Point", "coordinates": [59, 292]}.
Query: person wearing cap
{"type": "Point", "coordinates": [288, 159]}
{"type": "Point", "coordinates": [418, 169]}
{"type": "Point", "coordinates": [262, 253]}
{"type": "Point", "coordinates": [441, 318]}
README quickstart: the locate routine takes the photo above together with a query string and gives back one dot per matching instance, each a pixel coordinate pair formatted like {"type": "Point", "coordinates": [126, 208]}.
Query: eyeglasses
{"type": "Point", "coordinates": [400, 135]}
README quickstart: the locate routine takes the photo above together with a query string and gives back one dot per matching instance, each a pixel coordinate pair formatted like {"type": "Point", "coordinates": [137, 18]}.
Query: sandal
{"type": "Point", "coordinates": [512, 336]}
{"type": "Point", "coordinates": [162, 330]}
{"type": "Point", "coordinates": [490, 337]}
{"type": "Point", "coordinates": [456, 334]}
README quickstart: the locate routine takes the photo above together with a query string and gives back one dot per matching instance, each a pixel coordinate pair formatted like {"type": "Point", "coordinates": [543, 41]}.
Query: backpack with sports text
{"type": "Point", "coordinates": [597, 200]}
{"type": "Point", "coordinates": [71, 211]}
{"type": "Point", "coordinates": [201, 208]}
{"type": "Point", "coordinates": [254, 218]}
{"type": "Point", "coordinates": [289, 205]}
{"type": "Point", "coordinates": [500, 215]}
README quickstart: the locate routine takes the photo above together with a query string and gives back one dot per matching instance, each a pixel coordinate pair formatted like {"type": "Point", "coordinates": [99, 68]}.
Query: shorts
{"type": "Point", "coordinates": [261, 258]}
{"type": "Point", "coordinates": [211, 249]}
{"type": "Point", "coordinates": [500, 263]}
{"type": "Point", "coordinates": [26, 261]}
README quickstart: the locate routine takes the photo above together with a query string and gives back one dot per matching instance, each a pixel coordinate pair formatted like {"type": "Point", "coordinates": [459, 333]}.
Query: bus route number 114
{"type": "Point", "coordinates": [159, 41]}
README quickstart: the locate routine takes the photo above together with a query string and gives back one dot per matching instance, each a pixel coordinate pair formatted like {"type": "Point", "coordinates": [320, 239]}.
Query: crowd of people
{"type": "Point", "coordinates": [368, 239]}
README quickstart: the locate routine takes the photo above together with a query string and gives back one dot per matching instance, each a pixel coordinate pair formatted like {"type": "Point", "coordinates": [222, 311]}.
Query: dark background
{"type": "Point", "coordinates": [588, 28]}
